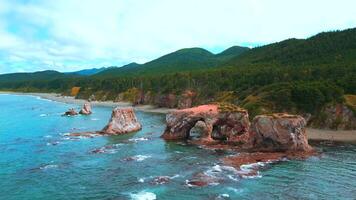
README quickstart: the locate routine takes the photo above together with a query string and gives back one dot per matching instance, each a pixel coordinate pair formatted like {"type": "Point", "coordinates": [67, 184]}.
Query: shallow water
{"type": "Point", "coordinates": [38, 161]}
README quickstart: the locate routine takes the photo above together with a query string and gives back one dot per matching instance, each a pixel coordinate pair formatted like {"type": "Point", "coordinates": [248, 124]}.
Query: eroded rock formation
{"type": "Point", "coordinates": [270, 138]}
{"type": "Point", "coordinates": [123, 120]}
{"type": "Point", "coordinates": [268, 133]}
{"type": "Point", "coordinates": [86, 109]}
{"type": "Point", "coordinates": [279, 132]}
{"type": "Point", "coordinates": [228, 126]}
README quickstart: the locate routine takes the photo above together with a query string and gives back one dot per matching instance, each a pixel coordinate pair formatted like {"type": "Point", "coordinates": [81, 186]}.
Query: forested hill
{"type": "Point", "coordinates": [184, 60]}
{"type": "Point", "coordinates": [296, 75]}
{"type": "Point", "coordinates": [323, 48]}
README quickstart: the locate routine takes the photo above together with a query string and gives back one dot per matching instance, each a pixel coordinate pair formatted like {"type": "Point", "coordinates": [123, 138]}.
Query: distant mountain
{"type": "Point", "coordinates": [188, 59]}
{"type": "Point", "coordinates": [117, 70]}
{"type": "Point", "coordinates": [232, 52]}
{"type": "Point", "coordinates": [89, 72]}
{"type": "Point", "coordinates": [35, 76]}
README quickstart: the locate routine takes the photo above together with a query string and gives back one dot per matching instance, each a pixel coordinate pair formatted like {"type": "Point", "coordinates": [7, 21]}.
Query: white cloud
{"type": "Point", "coordinates": [71, 34]}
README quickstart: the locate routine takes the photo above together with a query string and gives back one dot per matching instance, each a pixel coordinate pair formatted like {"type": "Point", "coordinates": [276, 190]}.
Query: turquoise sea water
{"type": "Point", "coordinates": [38, 161]}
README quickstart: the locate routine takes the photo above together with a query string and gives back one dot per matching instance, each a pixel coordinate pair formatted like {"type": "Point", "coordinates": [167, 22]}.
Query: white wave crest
{"type": "Point", "coordinates": [138, 139]}
{"type": "Point", "coordinates": [140, 158]}
{"type": "Point", "coordinates": [143, 195]}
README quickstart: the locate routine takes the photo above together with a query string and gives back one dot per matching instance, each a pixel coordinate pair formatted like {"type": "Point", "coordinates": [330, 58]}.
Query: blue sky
{"type": "Point", "coordinates": [69, 35]}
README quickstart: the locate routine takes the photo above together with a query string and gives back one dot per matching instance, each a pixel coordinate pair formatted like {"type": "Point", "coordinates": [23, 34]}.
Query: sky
{"type": "Point", "coordinates": [69, 35]}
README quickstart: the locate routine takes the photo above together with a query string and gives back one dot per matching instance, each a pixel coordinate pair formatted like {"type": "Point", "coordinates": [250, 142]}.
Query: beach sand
{"type": "Point", "coordinates": [72, 100]}
{"type": "Point", "coordinates": [332, 135]}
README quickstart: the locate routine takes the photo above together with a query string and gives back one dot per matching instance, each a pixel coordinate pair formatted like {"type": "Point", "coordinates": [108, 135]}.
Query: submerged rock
{"type": "Point", "coordinates": [86, 109]}
{"type": "Point", "coordinates": [123, 120]}
{"type": "Point", "coordinates": [70, 112]}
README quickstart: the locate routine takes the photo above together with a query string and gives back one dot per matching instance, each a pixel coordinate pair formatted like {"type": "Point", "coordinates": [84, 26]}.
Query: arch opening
{"type": "Point", "coordinates": [197, 131]}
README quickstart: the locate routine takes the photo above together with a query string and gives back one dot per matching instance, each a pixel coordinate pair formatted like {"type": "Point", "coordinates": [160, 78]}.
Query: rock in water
{"type": "Point", "coordinates": [86, 110]}
{"type": "Point", "coordinates": [123, 120]}
{"type": "Point", "coordinates": [218, 124]}
{"type": "Point", "coordinates": [70, 112]}
{"type": "Point", "coordinates": [268, 133]}
{"type": "Point", "coordinates": [279, 132]}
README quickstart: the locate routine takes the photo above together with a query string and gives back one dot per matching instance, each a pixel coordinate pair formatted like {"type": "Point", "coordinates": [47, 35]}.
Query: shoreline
{"type": "Point", "coordinates": [313, 134]}
{"type": "Point", "coordinates": [71, 100]}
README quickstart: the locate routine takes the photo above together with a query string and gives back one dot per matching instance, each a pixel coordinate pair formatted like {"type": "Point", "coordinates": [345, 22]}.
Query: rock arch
{"type": "Point", "coordinates": [269, 133]}
{"type": "Point", "coordinates": [217, 125]}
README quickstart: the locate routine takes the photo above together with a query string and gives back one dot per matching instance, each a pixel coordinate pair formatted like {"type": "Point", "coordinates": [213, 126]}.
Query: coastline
{"type": "Point", "coordinates": [313, 134]}
{"type": "Point", "coordinates": [71, 100]}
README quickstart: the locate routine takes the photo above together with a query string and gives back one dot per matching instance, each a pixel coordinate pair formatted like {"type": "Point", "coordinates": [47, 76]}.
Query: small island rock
{"type": "Point", "coordinates": [86, 109]}
{"type": "Point", "coordinates": [70, 112]}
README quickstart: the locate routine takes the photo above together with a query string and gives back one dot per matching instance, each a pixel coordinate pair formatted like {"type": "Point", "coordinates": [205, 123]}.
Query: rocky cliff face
{"type": "Point", "coordinates": [337, 116]}
{"type": "Point", "coordinates": [185, 100]}
{"type": "Point", "coordinates": [268, 133]}
{"type": "Point", "coordinates": [86, 109]}
{"type": "Point", "coordinates": [123, 120]}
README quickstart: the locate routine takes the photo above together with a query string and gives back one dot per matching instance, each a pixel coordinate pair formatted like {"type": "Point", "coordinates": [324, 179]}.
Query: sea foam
{"type": "Point", "coordinates": [143, 195]}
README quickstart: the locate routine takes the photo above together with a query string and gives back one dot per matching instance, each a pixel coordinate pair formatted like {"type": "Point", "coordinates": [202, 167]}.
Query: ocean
{"type": "Point", "coordinates": [38, 160]}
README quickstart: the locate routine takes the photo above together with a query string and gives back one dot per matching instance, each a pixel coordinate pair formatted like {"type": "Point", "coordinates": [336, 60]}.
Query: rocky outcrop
{"type": "Point", "coordinates": [268, 133]}
{"type": "Point", "coordinates": [167, 101]}
{"type": "Point", "coordinates": [86, 109]}
{"type": "Point", "coordinates": [70, 112]}
{"type": "Point", "coordinates": [123, 120]}
{"type": "Point", "coordinates": [279, 132]}
{"type": "Point", "coordinates": [216, 124]}
{"type": "Point", "coordinates": [338, 117]}
{"type": "Point", "coordinates": [186, 99]}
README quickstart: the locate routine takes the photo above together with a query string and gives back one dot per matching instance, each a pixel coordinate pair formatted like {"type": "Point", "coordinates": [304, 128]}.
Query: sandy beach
{"type": "Point", "coordinates": [332, 135]}
{"type": "Point", "coordinates": [72, 100]}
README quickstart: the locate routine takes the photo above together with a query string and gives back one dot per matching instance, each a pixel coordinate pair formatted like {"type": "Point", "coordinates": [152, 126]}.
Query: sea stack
{"type": "Point", "coordinates": [86, 109]}
{"type": "Point", "coordinates": [123, 120]}
{"type": "Point", "coordinates": [279, 132]}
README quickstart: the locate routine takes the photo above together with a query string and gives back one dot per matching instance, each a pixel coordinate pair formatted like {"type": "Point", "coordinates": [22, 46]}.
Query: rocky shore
{"type": "Point", "coordinates": [314, 134]}
{"type": "Point", "coordinates": [268, 138]}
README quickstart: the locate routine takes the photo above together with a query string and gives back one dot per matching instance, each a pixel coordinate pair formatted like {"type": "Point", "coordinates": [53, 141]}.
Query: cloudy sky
{"type": "Point", "coordinates": [68, 35]}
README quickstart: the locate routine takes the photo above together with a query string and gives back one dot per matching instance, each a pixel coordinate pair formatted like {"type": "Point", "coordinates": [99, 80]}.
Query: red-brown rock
{"type": "Point", "coordinates": [279, 132]}
{"type": "Point", "coordinates": [186, 99]}
{"type": "Point", "coordinates": [268, 133]}
{"type": "Point", "coordinates": [216, 124]}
